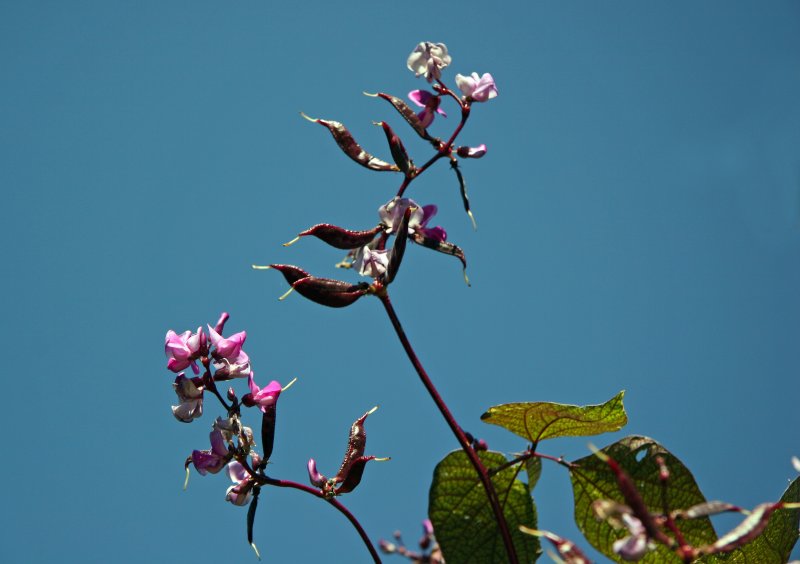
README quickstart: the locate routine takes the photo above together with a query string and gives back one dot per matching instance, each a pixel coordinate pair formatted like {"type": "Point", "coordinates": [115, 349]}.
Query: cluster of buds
{"type": "Point", "coordinates": [429, 551]}
{"type": "Point", "coordinates": [352, 468]}
{"type": "Point", "coordinates": [368, 252]}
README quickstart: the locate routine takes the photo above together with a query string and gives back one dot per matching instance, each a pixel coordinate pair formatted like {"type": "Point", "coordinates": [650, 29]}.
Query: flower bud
{"type": "Point", "coordinates": [231, 394]}
{"type": "Point", "coordinates": [471, 152]}
{"type": "Point", "coordinates": [314, 476]}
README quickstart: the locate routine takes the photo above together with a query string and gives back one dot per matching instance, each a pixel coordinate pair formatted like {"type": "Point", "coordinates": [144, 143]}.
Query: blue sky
{"type": "Point", "coordinates": [639, 229]}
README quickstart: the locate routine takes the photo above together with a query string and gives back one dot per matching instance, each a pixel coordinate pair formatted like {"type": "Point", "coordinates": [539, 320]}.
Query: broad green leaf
{"type": "Point", "coordinates": [775, 544]}
{"type": "Point", "coordinates": [537, 421]}
{"type": "Point", "coordinates": [592, 479]}
{"type": "Point", "coordinates": [533, 467]}
{"type": "Point", "coordinates": [463, 520]}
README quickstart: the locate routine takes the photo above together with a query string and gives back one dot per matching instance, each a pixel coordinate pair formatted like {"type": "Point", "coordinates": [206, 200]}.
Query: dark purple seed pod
{"type": "Point", "coordinates": [399, 248]}
{"type": "Point", "coordinates": [462, 184]}
{"type": "Point", "coordinates": [291, 273]}
{"type": "Point", "coordinates": [268, 430]}
{"type": "Point", "coordinates": [352, 149]}
{"type": "Point", "coordinates": [329, 292]}
{"type": "Point", "coordinates": [251, 517]}
{"type": "Point", "coordinates": [399, 153]}
{"type": "Point", "coordinates": [339, 237]}
{"type": "Point", "coordinates": [751, 527]}
{"type": "Point", "coordinates": [355, 471]}
{"type": "Point", "coordinates": [442, 247]}
{"type": "Point", "coordinates": [408, 114]}
{"type": "Point", "coordinates": [355, 444]}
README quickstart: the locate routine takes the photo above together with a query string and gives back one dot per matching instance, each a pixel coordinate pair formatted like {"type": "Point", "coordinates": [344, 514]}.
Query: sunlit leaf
{"type": "Point", "coordinates": [536, 421]}
{"type": "Point", "coordinates": [775, 543]}
{"type": "Point", "coordinates": [592, 479]}
{"type": "Point", "coordinates": [463, 520]}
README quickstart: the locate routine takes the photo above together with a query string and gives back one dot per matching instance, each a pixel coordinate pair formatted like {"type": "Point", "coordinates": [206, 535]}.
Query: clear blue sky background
{"type": "Point", "coordinates": [639, 229]}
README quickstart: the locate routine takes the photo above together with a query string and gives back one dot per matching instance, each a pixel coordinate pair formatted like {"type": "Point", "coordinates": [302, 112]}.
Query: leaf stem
{"type": "Point", "coordinates": [483, 473]}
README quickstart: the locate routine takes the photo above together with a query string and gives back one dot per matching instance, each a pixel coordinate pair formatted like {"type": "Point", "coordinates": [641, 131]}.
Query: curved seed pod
{"type": "Point", "coordinates": [329, 292]}
{"type": "Point", "coordinates": [408, 114]}
{"type": "Point", "coordinates": [268, 430]}
{"type": "Point", "coordinates": [352, 149]}
{"type": "Point", "coordinates": [341, 238]}
{"type": "Point", "coordinates": [567, 551]}
{"type": "Point", "coordinates": [442, 247]}
{"type": "Point", "coordinates": [752, 526]}
{"type": "Point", "coordinates": [463, 187]}
{"type": "Point", "coordinates": [251, 517]}
{"type": "Point", "coordinates": [399, 248]}
{"type": "Point", "coordinates": [399, 153]}
{"type": "Point", "coordinates": [355, 445]}
{"type": "Point", "coordinates": [354, 474]}
{"type": "Point", "coordinates": [290, 272]}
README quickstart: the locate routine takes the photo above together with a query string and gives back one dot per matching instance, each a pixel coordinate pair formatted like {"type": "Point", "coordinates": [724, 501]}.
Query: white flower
{"type": "Point", "coordinates": [428, 59]}
{"type": "Point", "coordinates": [480, 89]}
{"type": "Point", "coordinates": [372, 263]}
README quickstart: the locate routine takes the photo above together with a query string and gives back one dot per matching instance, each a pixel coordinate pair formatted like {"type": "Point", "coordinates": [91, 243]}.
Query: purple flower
{"type": "Point", "coordinates": [183, 350]}
{"type": "Point", "coordinates": [372, 263]}
{"type": "Point", "coordinates": [190, 396]}
{"type": "Point", "coordinates": [471, 152]}
{"type": "Point", "coordinates": [480, 89]}
{"type": "Point", "coordinates": [212, 460]}
{"type": "Point", "coordinates": [242, 490]}
{"type": "Point", "coordinates": [428, 59]}
{"type": "Point", "coordinates": [392, 212]}
{"type": "Point", "coordinates": [262, 397]}
{"type": "Point", "coordinates": [230, 361]}
{"type": "Point", "coordinates": [437, 233]}
{"type": "Point", "coordinates": [430, 102]}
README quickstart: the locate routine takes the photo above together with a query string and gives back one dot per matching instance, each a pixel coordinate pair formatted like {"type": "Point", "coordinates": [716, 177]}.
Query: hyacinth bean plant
{"type": "Point", "coordinates": [633, 500]}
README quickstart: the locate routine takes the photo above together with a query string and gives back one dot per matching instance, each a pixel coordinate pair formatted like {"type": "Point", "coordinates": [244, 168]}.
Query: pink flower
{"type": "Point", "coordinates": [430, 102]}
{"type": "Point", "coordinates": [428, 59]}
{"type": "Point", "coordinates": [190, 396]}
{"type": "Point", "coordinates": [242, 490]}
{"type": "Point", "coordinates": [230, 361]}
{"type": "Point", "coordinates": [479, 89]}
{"type": "Point", "coordinates": [262, 397]}
{"type": "Point", "coordinates": [212, 460]}
{"type": "Point", "coordinates": [183, 350]}
{"type": "Point", "coordinates": [314, 476]}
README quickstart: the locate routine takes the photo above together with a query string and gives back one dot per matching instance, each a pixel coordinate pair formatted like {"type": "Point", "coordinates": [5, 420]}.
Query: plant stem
{"type": "Point", "coordinates": [339, 507]}
{"type": "Point", "coordinates": [483, 473]}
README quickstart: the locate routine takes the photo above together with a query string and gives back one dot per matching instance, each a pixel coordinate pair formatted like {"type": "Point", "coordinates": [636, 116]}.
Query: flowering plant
{"type": "Point", "coordinates": [634, 500]}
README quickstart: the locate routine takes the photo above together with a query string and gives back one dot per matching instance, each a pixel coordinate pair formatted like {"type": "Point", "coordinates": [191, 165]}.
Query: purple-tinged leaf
{"type": "Point", "coordinates": [352, 149]}
{"type": "Point", "coordinates": [408, 114]}
{"type": "Point", "coordinates": [341, 238]}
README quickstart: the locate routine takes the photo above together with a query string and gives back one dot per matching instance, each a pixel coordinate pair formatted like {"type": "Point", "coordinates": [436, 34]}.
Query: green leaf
{"type": "Point", "coordinates": [533, 467]}
{"type": "Point", "coordinates": [462, 518]}
{"type": "Point", "coordinates": [592, 479]}
{"type": "Point", "coordinates": [537, 421]}
{"type": "Point", "coordinates": [775, 544]}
